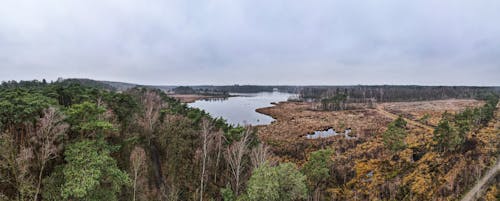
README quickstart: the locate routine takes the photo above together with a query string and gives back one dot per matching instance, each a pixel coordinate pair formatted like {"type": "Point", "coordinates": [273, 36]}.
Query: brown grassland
{"type": "Point", "coordinates": [296, 119]}
{"type": "Point", "coordinates": [364, 169]}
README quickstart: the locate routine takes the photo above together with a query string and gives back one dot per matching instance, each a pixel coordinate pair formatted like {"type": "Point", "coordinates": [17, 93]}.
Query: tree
{"type": "Point", "coordinates": [137, 163]}
{"type": "Point", "coordinates": [87, 119]}
{"type": "Point", "coordinates": [227, 194]}
{"type": "Point", "coordinates": [207, 139]}
{"type": "Point", "coordinates": [19, 111]}
{"type": "Point", "coordinates": [15, 165]}
{"type": "Point", "coordinates": [395, 135]}
{"type": "Point", "coordinates": [260, 154]}
{"type": "Point", "coordinates": [50, 131]}
{"type": "Point", "coordinates": [446, 136]}
{"type": "Point", "coordinates": [235, 157]}
{"type": "Point", "coordinates": [281, 183]}
{"type": "Point", "coordinates": [317, 169]}
{"type": "Point", "coordinates": [152, 104]}
{"type": "Point", "coordinates": [91, 173]}
{"type": "Point", "coordinates": [124, 107]}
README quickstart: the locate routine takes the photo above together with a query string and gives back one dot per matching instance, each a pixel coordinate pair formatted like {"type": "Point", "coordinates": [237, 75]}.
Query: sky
{"type": "Point", "coordinates": [279, 42]}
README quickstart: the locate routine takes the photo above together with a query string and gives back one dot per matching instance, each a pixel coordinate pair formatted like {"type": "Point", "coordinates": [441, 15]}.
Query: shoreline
{"type": "Point", "coordinates": [191, 98]}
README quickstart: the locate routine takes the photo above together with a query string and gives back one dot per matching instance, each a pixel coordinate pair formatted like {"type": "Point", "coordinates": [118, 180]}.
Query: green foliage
{"type": "Point", "coordinates": [91, 173]}
{"type": "Point", "coordinates": [227, 194]}
{"type": "Point", "coordinates": [425, 118]}
{"type": "Point", "coordinates": [175, 140]}
{"type": "Point", "coordinates": [395, 135]}
{"type": "Point", "coordinates": [70, 93]}
{"type": "Point", "coordinates": [317, 168]}
{"type": "Point", "coordinates": [451, 132]}
{"type": "Point", "coordinates": [234, 134]}
{"type": "Point", "coordinates": [124, 106]}
{"type": "Point", "coordinates": [446, 135]}
{"type": "Point", "coordinates": [184, 90]}
{"type": "Point", "coordinates": [53, 185]}
{"type": "Point", "coordinates": [19, 106]}
{"type": "Point", "coordinates": [87, 118]}
{"type": "Point", "coordinates": [336, 102]}
{"type": "Point", "coordinates": [281, 183]}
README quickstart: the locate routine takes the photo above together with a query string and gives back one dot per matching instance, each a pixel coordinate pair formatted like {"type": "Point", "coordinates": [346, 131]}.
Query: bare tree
{"type": "Point", "coordinates": [206, 134]}
{"type": "Point", "coordinates": [218, 139]}
{"type": "Point", "coordinates": [152, 106]}
{"type": "Point", "coordinates": [235, 155]}
{"type": "Point", "coordinates": [17, 162]}
{"type": "Point", "coordinates": [24, 180]}
{"type": "Point", "coordinates": [137, 162]}
{"type": "Point", "coordinates": [50, 128]}
{"type": "Point", "coordinates": [172, 193]}
{"type": "Point", "coordinates": [260, 154]}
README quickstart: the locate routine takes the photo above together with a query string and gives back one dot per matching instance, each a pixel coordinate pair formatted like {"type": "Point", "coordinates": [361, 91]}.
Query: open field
{"type": "Point", "coordinates": [433, 109]}
{"type": "Point", "coordinates": [365, 165]}
{"type": "Point", "coordinates": [296, 119]}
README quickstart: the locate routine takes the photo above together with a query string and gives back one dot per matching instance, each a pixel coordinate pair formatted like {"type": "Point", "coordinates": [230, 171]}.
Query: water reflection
{"type": "Point", "coordinates": [240, 108]}
{"type": "Point", "coordinates": [218, 99]}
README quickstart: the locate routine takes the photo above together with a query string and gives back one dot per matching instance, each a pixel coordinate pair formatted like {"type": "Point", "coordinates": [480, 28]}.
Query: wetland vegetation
{"type": "Point", "coordinates": [87, 140]}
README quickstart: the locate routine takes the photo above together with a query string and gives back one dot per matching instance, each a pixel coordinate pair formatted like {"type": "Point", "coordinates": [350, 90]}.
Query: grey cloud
{"type": "Point", "coordinates": [253, 41]}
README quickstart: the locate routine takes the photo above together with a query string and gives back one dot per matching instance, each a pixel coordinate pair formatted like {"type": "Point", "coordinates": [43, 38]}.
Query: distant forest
{"type": "Point", "coordinates": [382, 93]}
{"type": "Point", "coordinates": [390, 93]}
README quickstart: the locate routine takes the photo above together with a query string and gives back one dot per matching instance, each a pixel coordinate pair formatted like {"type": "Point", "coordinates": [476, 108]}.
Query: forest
{"type": "Point", "coordinates": [69, 140]}
{"type": "Point", "coordinates": [334, 98]}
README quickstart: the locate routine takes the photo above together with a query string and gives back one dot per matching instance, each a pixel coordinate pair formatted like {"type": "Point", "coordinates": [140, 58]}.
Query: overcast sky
{"type": "Point", "coordinates": [428, 42]}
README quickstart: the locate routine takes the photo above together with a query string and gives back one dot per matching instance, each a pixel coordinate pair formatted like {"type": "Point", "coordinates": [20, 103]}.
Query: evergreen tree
{"type": "Point", "coordinates": [395, 135]}
{"type": "Point", "coordinates": [317, 169]}
{"type": "Point", "coordinates": [281, 183]}
{"type": "Point", "coordinates": [446, 136]}
{"type": "Point", "coordinates": [91, 173]}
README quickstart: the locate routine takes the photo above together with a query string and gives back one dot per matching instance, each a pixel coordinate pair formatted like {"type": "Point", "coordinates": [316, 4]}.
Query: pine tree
{"type": "Point", "coordinates": [395, 135]}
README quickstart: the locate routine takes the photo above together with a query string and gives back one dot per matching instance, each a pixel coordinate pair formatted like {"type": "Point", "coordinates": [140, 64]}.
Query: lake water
{"type": "Point", "coordinates": [241, 109]}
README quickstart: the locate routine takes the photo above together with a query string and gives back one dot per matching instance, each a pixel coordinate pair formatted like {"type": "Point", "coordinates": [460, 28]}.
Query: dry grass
{"type": "Point", "coordinates": [416, 110]}
{"type": "Point", "coordinates": [424, 172]}
{"type": "Point", "coordinates": [296, 119]}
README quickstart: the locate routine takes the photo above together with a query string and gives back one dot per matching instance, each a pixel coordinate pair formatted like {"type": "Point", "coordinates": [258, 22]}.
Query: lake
{"type": "Point", "coordinates": [241, 108]}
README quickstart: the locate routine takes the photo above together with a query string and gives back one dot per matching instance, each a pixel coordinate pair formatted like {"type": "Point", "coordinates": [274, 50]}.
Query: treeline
{"type": "Point", "coordinates": [208, 92]}
{"type": "Point", "coordinates": [451, 132]}
{"type": "Point", "coordinates": [386, 93]}
{"type": "Point", "coordinates": [250, 88]}
{"type": "Point", "coordinates": [67, 141]}
{"type": "Point", "coordinates": [450, 135]}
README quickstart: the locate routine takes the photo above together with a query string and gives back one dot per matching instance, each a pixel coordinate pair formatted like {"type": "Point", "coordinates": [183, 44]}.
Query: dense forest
{"type": "Point", "coordinates": [69, 140]}
{"type": "Point", "coordinates": [340, 97]}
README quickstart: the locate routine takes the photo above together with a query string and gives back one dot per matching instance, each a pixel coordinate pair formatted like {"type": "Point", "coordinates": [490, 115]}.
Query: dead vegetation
{"type": "Point", "coordinates": [429, 112]}
{"type": "Point", "coordinates": [366, 170]}
{"type": "Point", "coordinates": [296, 119]}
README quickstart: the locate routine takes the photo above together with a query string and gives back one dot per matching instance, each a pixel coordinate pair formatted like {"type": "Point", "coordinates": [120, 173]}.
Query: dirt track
{"type": "Point", "coordinates": [381, 110]}
{"type": "Point", "coordinates": [476, 191]}
{"type": "Point", "coordinates": [481, 185]}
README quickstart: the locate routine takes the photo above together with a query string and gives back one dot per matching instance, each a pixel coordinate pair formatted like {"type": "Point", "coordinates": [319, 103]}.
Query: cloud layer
{"type": "Point", "coordinates": [448, 42]}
